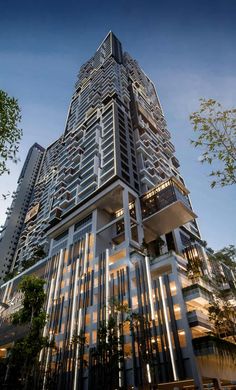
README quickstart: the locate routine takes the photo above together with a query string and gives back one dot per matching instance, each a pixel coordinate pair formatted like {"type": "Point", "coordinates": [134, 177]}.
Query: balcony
{"type": "Point", "coordinates": [175, 162]}
{"type": "Point", "coordinates": [165, 207]}
{"type": "Point", "coordinates": [211, 345]}
{"type": "Point", "coordinates": [198, 319]}
{"type": "Point", "coordinates": [196, 294]}
{"type": "Point", "coordinates": [55, 216]}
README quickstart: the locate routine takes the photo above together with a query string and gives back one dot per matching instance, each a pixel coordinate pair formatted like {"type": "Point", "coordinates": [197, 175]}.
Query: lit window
{"type": "Point", "coordinates": [177, 312]}
{"type": "Point", "coordinates": [182, 338]}
{"type": "Point", "coordinates": [173, 288]}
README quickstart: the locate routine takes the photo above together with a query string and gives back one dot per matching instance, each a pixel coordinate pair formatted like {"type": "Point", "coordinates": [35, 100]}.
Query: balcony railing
{"type": "Point", "coordinates": [196, 292]}
{"type": "Point", "coordinates": [211, 345]}
{"type": "Point", "coordinates": [166, 207]}
{"type": "Point", "coordinates": [163, 195]}
{"type": "Point", "coordinates": [197, 318]}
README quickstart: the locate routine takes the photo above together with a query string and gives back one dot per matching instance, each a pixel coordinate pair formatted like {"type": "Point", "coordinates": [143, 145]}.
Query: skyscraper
{"type": "Point", "coordinates": [115, 129]}
{"type": "Point", "coordinates": [116, 221]}
{"type": "Point", "coordinates": [16, 214]}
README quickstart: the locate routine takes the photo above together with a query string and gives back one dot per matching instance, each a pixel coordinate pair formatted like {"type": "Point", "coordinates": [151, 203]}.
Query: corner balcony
{"type": "Point", "coordinates": [200, 320]}
{"type": "Point", "coordinates": [196, 294]}
{"type": "Point", "coordinates": [165, 207]}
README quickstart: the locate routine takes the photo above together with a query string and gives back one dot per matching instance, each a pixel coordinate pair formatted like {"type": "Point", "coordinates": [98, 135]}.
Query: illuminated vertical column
{"type": "Point", "coordinates": [147, 266]}
{"type": "Point", "coordinates": [77, 351]}
{"type": "Point", "coordinates": [107, 285]}
{"type": "Point", "coordinates": [48, 305]}
{"type": "Point", "coordinates": [9, 290]}
{"type": "Point", "coordinates": [6, 292]}
{"type": "Point", "coordinates": [120, 376]}
{"type": "Point", "coordinates": [139, 220]}
{"type": "Point", "coordinates": [74, 295]}
{"type": "Point", "coordinates": [86, 252]}
{"type": "Point", "coordinates": [127, 224]}
{"type": "Point", "coordinates": [168, 330]}
{"type": "Point", "coordinates": [45, 326]}
{"type": "Point", "coordinates": [61, 257]}
{"type": "Point", "coordinates": [58, 273]}
{"type": "Point", "coordinates": [148, 373]}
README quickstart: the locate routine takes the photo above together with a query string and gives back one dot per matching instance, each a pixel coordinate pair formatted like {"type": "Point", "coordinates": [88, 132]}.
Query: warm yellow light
{"type": "Point", "coordinates": [177, 308]}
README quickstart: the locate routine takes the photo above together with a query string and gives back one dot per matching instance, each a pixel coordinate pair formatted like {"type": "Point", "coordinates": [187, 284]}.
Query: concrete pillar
{"type": "Point", "coordinates": [125, 198]}
{"type": "Point", "coordinates": [70, 236]}
{"type": "Point", "coordinates": [185, 325]}
{"type": "Point", "coordinates": [139, 221]}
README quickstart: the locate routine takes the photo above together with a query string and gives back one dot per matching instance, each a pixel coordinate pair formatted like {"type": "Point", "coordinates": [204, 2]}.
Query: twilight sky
{"type": "Point", "coordinates": [186, 47]}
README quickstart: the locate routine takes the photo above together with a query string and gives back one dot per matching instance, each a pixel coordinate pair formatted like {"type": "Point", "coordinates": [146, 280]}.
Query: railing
{"type": "Point", "coordinates": [164, 194]}
{"type": "Point", "coordinates": [196, 290]}
{"type": "Point", "coordinates": [196, 317]}
{"type": "Point", "coordinates": [209, 345]}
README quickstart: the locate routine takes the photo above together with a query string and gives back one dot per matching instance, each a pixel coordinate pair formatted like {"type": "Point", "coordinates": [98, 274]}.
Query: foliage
{"type": "Point", "coordinates": [194, 267]}
{"type": "Point", "coordinates": [9, 276]}
{"type": "Point", "coordinates": [108, 356]}
{"type": "Point", "coordinates": [140, 330]}
{"type": "Point", "coordinates": [10, 134]}
{"type": "Point", "coordinates": [159, 245]}
{"type": "Point", "coordinates": [38, 254]}
{"type": "Point", "coordinates": [80, 341]}
{"type": "Point", "coordinates": [222, 315]}
{"type": "Point", "coordinates": [144, 248]}
{"type": "Point", "coordinates": [227, 255]}
{"type": "Point", "coordinates": [216, 137]}
{"type": "Point", "coordinates": [23, 357]}
{"type": "Point", "coordinates": [34, 296]}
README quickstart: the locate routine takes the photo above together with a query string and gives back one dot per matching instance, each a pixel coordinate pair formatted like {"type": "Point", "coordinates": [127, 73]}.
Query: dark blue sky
{"type": "Point", "coordinates": [186, 47]}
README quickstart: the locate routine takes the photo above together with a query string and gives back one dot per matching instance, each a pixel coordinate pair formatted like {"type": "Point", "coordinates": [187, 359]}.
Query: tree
{"type": "Point", "coordinates": [37, 255]}
{"type": "Point", "coordinates": [216, 137]}
{"type": "Point", "coordinates": [9, 276]}
{"type": "Point", "coordinates": [107, 368]}
{"type": "Point", "coordinates": [221, 310]}
{"type": "Point", "coordinates": [222, 316]}
{"type": "Point", "coordinates": [228, 256]}
{"type": "Point", "coordinates": [23, 357]}
{"type": "Point", "coordinates": [10, 133]}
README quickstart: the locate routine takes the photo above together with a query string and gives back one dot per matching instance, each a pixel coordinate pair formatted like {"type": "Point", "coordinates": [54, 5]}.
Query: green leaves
{"type": "Point", "coordinates": [10, 134]}
{"type": "Point", "coordinates": [23, 357]}
{"type": "Point", "coordinates": [222, 316]}
{"type": "Point", "coordinates": [227, 255]}
{"type": "Point", "coordinates": [37, 255]}
{"type": "Point", "coordinates": [215, 130]}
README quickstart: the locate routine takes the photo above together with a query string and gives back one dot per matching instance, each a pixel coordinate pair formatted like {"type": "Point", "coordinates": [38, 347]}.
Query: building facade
{"type": "Point", "coordinates": [122, 243]}
{"type": "Point", "coordinates": [17, 212]}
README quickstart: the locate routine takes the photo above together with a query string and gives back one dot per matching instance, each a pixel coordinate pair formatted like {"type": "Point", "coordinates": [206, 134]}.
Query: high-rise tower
{"type": "Point", "coordinates": [115, 129]}
{"type": "Point", "coordinates": [117, 224]}
{"type": "Point", "coordinates": [16, 214]}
